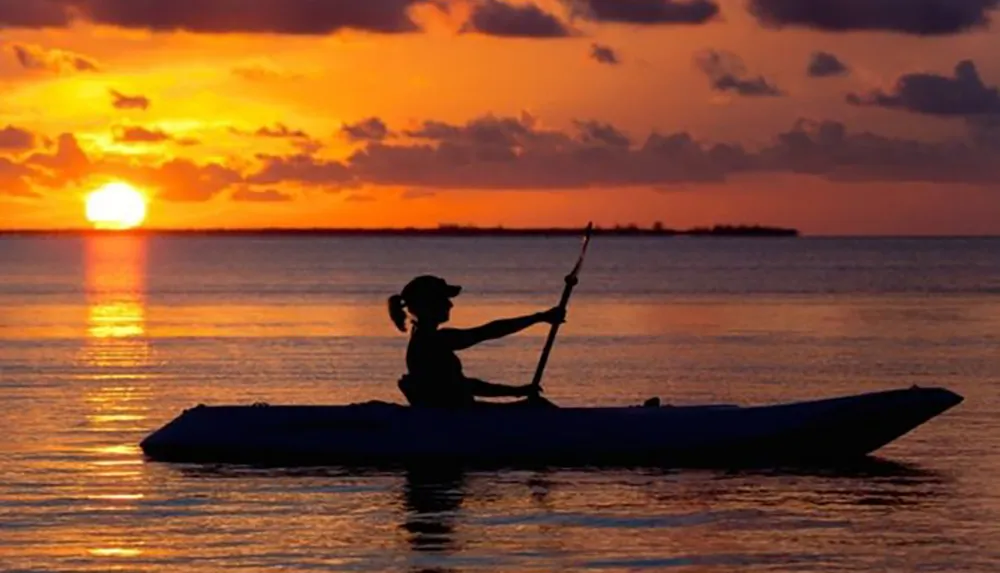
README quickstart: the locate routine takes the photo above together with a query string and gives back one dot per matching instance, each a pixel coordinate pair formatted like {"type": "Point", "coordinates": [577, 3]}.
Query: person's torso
{"type": "Point", "coordinates": [435, 371]}
{"type": "Point", "coordinates": [429, 360]}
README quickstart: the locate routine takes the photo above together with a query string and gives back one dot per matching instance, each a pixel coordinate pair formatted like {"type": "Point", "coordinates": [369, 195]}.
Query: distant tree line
{"type": "Point", "coordinates": [448, 229]}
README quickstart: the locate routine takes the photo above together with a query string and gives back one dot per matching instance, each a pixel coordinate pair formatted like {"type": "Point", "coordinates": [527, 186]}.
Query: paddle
{"type": "Point", "coordinates": [571, 280]}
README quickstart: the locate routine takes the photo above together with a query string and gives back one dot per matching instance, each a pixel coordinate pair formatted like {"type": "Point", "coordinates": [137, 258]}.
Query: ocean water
{"type": "Point", "coordinates": [104, 339]}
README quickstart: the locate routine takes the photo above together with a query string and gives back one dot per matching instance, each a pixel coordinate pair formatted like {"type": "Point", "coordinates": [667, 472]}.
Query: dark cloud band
{"type": "Point", "coordinates": [516, 153]}
{"type": "Point", "coordinates": [648, 12]}
{"type": "Point", "coordinates": [918, 17]}
{"type": "Point", "coordinates": [219, 16]}
{"type": "Point", "coordinates": [496, 18]}
{"type": "Point", "coordinates": [963, 95]}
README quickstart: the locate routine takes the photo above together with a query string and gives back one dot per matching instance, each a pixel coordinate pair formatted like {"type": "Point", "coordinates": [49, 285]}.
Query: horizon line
{"type": "Point", "coordinates": [442, 229]}
{"type": "Point", "coordinates": [448, 230]}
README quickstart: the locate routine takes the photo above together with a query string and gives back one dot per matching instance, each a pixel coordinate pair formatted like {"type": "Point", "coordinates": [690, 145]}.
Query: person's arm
{"type": "Point", "coordinates": [458, 339]}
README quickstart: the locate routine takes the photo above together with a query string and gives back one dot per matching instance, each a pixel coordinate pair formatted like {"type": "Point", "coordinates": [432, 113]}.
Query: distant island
{"type": "Point", "coordinates": [444, 230]}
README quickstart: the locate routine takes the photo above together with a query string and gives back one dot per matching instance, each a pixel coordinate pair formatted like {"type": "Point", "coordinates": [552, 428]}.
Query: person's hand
{"type": "Point", "coordinates": [555, 315]}
{"type": "Point", "coordinates": [530, 390]}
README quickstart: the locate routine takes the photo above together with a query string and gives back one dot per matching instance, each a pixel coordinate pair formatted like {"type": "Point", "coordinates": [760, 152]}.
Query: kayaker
{"type": "Point", "coordinates": [434, 372]}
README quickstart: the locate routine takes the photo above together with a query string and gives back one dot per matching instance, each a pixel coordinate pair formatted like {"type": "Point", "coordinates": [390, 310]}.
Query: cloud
{"type": "Point", "coordinates": [306, 146]}
{"type": "Point", "coordinates": [297, 137]}
{"type": "Point", "coordinates": [728, 73]}
{"type": "Point", "coordinates": [826, 149]}
{"type": "Point", "coordinates": [32, 57]}
{"type": "Point", "coordinates": [484, 130]}
{"type": "Point", "coordinates": [280, 130]}
{"type": "Point", "coordinates": [122, 101]}
{"type": "Point", "coordinates": [825, 64]}
{"type": "Point", "coordinates": [301, 168]}
{"type": "Point", "coordinates": [16, 139]}
{"type": "Point", "coordinates": [603, 54]}
{"type": "Point", "coordinates": [178, 180]}
{"type": "Point", "coordinates": [496, 18]}
{"type": "Point", "coordinates": [414, 194]}
{"type": "Point", "coordinates": [369, 129]}
{"type": "Point", "coordinates": [964, 95]}
{"type": "Point", "coordinates": [137, 134]}
{"type": "Point", "coordinates": [304, 17]}
{"type": "Point", "coordinates": [985, 131]}
{"type": "Point", "coordinates": [13, 179]}
{"type": "Point", "coordinates": [649, 12]}
{"type": "Point", "coordinates": [594, 132]}
{"type": "Point", "coordinates": [917, 17]}
{"type": "Point", "coordinates": [513, 153]}
{"type": "Point", "coordinates": [67, 164]}
{"type": "Point", "coordinates": [493, 152]}
{"type": "Point", "coordinates": [247, 193]}
{"type": "Point", "coordinates": [263, 73]}
{"type": "Point", "coordinates": [360, 198]}
{"type": "Point", "coordinates": [510, 153]}
{"type": "Point", "coordinates": [33, 14]}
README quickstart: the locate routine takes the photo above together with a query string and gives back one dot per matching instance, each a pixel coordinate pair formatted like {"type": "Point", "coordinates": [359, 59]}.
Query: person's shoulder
{"type": "Point", "coordinates": [448, 336]}
{"type": "Point", "coordinates": [430, 336]}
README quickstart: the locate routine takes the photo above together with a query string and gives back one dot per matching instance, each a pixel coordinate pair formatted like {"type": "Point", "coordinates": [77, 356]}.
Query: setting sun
{"type": "Point", "coordinates": [116, 206]}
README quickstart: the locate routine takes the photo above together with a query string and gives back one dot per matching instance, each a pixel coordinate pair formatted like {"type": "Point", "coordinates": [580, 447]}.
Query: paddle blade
{"type": "Point", "coordinates": [583, 250]}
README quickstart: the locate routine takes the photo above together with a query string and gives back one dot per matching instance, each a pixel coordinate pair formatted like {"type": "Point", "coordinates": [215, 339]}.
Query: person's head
{"type": "Point", "coordinates": [426, 298]}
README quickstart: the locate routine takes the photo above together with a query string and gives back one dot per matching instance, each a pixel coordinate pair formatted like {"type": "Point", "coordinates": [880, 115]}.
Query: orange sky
{"type": "Point", "coordinates": [285, 113]}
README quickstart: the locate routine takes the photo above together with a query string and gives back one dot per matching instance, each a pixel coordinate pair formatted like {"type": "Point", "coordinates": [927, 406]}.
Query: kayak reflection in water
{"type": "Point", "coordinates": [435, 376]}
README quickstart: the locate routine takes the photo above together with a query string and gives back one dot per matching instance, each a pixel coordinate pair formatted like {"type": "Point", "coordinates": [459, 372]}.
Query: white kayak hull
{"type": "Point", "coordinates": [378, 433]}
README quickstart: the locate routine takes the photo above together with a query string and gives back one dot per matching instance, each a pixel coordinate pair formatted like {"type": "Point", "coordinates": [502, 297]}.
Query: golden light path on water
{"type": "Point", "coordinates": [114, 358]}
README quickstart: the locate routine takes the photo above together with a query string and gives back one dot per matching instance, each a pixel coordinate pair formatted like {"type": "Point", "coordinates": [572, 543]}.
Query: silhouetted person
{"type": "Point", "coordinates": [435, 376]}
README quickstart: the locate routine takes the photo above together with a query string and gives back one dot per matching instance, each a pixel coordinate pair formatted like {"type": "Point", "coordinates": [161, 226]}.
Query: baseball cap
{"type": "Point", "coordinates": [426, 287]}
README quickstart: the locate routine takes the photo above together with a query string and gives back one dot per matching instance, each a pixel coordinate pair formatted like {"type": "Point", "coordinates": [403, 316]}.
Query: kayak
{"type": "Point", "coordinates": [376, 432]}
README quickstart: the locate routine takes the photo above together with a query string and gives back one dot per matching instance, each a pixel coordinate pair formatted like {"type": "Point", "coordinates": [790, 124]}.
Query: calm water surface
{"type": "Point", "coordinates": [103, 339]}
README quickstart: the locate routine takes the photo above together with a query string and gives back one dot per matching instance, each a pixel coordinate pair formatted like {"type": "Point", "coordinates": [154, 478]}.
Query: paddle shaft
{"type": "Point", "coordinates": [571, 280]}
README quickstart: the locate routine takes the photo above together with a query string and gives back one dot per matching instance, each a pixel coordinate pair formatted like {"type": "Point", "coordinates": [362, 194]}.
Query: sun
{"type": "Point", "coordinates": [116, 206]}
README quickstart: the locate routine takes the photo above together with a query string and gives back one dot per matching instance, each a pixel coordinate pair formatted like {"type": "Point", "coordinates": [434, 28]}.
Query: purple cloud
{"type": "Point", "coordinates": [496, 18]}
{"type": "Point", "coordinates": [728, 73]}
{"type": "Point", "coordinates": [963, 95]}
{"type": "Point", "coordinates": [138, 134]}
{"type": "Point", "coordinates": [57, 61]}
{"type": "Point", "coordinates": [917, 17]}
{"type": "Point", "coordinates": [604, 54]}
{"type": "Point", "coordinates": [249, 194]}
{"type": "Point", "coordinates": [16, 139]}
{"type": "Point", "coordinates": [305, 17]}
{"type": "Point", "coordinates": [368, 129]}
{"type": "Point", "coordinates": [122, 101]}
{"type": "Point", "coordinates": [824, 65]}
{"type": "Point", "coordinates": [648, 12]}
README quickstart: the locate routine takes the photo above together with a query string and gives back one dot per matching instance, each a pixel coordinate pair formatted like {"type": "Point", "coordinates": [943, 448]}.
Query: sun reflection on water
{"type": "Point", "coordinates": [115, 288]}
{"type": "Point", "coordinates": [115, 552]}
{"type": "Point", "coordinates": [118, 319]}
{"type": "Point", "coordinates": [114, 373]}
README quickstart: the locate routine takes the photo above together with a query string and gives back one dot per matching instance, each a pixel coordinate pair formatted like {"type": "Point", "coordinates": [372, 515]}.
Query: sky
{"type": "Point", "coordinates": [834, 117]}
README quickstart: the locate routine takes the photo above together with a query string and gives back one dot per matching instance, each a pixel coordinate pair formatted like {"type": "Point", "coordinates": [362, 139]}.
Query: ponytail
{"type": "Point", "coordinates": [397, 313]}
